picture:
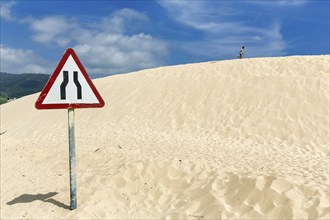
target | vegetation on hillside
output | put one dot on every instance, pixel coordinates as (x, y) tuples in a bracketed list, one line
[(3, 99), (18, 85)]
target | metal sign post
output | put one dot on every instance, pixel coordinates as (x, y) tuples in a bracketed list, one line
[(70, 87), (72, 158)]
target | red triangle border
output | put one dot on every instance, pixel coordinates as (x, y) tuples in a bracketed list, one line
[(39, 104)]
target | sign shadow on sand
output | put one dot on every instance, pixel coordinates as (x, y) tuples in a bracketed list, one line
[(27, 198)]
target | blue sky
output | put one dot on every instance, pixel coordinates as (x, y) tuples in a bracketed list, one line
[(112, 37)]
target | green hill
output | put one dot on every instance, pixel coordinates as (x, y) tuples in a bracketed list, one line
[(18, 85), (3, 99)]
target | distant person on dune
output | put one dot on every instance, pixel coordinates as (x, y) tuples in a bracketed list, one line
[(241, 52)]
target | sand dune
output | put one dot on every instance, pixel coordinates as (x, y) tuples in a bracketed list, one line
[(239, 139)]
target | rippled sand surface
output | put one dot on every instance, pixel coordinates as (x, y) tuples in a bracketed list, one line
[(237, 139)]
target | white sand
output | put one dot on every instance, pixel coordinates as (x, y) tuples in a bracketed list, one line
[(240, 139)]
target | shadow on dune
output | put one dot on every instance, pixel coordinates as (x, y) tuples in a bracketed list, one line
[(27, 198)]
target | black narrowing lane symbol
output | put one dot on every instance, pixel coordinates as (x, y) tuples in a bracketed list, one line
[(75, 79), (64, 84)]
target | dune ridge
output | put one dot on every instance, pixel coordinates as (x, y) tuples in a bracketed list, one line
[(239, 139)]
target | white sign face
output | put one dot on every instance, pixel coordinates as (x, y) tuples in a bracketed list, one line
[(70, 86)]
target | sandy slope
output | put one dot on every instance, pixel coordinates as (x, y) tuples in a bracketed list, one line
[(233, 139)]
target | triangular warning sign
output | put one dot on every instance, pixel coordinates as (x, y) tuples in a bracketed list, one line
[(69, 86)]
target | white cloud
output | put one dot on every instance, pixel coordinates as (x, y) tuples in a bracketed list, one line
[(104, 47), (114, 53), (224, 30), (21, 61), (5, 10), (123, 19), (52, 29), (280, 2)]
